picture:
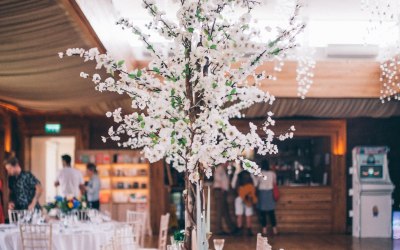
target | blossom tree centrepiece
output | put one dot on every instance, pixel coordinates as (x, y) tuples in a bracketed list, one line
[(183, 102)]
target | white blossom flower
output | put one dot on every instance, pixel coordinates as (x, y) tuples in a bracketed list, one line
[(184, 102)]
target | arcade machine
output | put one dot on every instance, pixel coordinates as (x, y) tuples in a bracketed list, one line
[(372, 193)]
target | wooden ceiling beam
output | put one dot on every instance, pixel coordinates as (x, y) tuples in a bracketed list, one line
[(74, 11)]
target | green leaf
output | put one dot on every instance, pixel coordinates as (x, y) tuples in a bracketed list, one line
[(182, 141), (172, 140), (172, 92), (173, 120), (173, 78), (157, 70), (190, 30), (229, 83), (233, 91), (132, 76), (139, 73), (276, 51), (214, 85), (149, 47), (120, 63), (153, 135), (247, 164), (142, 124), (173, 133), (140, 118), (214, 46), (173, 103)]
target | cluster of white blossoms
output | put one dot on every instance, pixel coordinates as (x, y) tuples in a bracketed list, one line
[(183, 104)]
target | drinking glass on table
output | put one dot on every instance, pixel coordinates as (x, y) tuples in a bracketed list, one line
[(219, 244)]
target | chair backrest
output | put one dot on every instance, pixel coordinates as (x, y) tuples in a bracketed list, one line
[(162, 239), (36, 237), (126, 236), (14, 215), (109, 245), (262, 243), (141, 218)]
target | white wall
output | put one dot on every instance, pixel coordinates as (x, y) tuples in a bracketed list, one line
[(46, 161)]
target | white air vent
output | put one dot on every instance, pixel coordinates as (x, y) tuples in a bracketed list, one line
[(351, 51)]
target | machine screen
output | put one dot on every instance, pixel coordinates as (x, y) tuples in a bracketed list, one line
[(371, 172)]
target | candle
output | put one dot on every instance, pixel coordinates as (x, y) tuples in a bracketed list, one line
[(208, 210)]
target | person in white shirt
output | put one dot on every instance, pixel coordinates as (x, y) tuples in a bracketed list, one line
[(69, 179), (221, 189)]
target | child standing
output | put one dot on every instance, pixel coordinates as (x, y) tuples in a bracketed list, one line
[(245, 200)]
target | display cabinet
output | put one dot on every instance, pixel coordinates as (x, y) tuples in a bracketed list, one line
[(125, 179)]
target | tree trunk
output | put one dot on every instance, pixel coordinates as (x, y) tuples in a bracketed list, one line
[(190, 223)]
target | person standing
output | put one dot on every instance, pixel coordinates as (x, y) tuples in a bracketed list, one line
[(266, 203), (93, 187), (25, 188), (2, 220), (245, 200), (221, 188), (69, 179)]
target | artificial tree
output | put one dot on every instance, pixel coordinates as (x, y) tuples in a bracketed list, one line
[(184, 100)]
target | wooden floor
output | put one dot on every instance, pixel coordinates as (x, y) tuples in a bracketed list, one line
[(308, 242)]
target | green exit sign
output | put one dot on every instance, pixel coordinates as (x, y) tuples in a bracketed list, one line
[(52, 128)]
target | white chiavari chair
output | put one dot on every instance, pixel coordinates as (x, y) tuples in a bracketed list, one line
[(162, 240), (141, 218), (262, 243), (36, 237), (108, 246), (163, 235), (126, 236), (14, 215)]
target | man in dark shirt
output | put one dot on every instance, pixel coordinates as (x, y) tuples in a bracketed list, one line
[(25, 189)]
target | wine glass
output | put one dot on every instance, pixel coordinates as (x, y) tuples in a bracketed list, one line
[(219, 244)]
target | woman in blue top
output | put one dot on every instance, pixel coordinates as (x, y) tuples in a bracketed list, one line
[(266, 203), (93, 187)]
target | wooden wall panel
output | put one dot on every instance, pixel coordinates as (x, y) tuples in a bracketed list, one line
[(333, 79), (305, 209)]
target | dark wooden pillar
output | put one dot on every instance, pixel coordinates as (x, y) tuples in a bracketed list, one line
[(339, 193), (158, 195)]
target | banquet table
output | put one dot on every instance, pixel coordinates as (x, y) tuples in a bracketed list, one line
[(73, 237)]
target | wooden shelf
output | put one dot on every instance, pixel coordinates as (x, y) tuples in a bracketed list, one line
[(130, 202), (129, 177), (112, 194), (130, 165), (139, 190)]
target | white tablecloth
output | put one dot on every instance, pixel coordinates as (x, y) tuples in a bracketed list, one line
[(74, 237)]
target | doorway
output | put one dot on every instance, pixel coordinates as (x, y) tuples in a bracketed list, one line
[(46, 161)]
